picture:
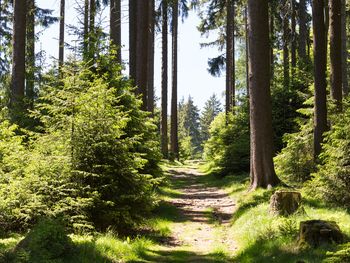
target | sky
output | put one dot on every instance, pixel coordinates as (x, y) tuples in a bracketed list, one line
[(193, 77)]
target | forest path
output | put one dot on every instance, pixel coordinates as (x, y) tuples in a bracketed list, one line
[(199, 228)]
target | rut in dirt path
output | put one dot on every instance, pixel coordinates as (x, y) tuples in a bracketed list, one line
[(206, 211)]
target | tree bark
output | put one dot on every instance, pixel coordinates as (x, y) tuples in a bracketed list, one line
[(262, 172), (142, 39), (132, 38), (246, 50), (86, 31), (30, 56), (18, 54), (150, 85), (115, 28), (174, 123), (272, 37), (293, 38), (164, 124), (320, 64), (61, 36), (303, 32), (336, 52), (344, 50), (229, 55), (286, 32), (92, 31)]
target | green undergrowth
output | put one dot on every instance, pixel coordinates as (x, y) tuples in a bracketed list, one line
[(262, 237)]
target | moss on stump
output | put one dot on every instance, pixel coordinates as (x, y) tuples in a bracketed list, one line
[(285, 202), (318, 232)]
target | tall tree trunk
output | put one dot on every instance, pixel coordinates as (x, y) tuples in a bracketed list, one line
[(320, 64), (30, 46), (150, 85), (336, 52), (262, 172), (174, 123), (229, 55), (18, 54), (303, 32), (326, 19), (92, 31), (132, 38), (142, 39), (285, 24), (86, 31), (272, 37), (115, 28), (61, 37), (344, 50), (293, 38), (247, 48), (164, 125)]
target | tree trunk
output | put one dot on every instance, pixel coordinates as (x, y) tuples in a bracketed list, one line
[(18, 54), (142, 39), (326, 19), (344, 50), (30, 46), (272, 37), (285, 22), (229, 55), (246, 50), (293, 38), (86, 31), (174, 124), (115, 28), (150, 85), (320, 64), (262, 171), (303, 33), (92, 31), (336, 52), (164, 125), (132, 38), (61, 37)]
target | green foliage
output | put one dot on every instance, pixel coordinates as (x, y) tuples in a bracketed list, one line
[(228, 145), (93, 160), (333, 176), (211, 109), (295, 162), (46, 242)]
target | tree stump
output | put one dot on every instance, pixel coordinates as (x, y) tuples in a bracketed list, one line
[(318, 232), (285, 202)]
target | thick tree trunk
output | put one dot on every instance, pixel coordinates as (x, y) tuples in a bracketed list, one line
[(320, 60), (303, 32), (86, 31), (272, 37), (229, 55), (30, 61), (286, 32), (92, 31), (164, 124), (293, 39), (336, 52), (344, 50), (61, 37), (246, 50), (18, 54), (142, 39), (132, 38), (115, 27), (174, 124), (262, 171), (150, 85)]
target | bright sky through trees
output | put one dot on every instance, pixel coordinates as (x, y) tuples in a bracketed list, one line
[(193, 77)]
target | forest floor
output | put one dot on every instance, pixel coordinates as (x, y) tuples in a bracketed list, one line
[(199, 228)]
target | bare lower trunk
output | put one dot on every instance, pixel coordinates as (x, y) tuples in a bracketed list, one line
[(30, 49), (150, 85), (164, 124), (61, 36), (344, 51), (86, 31), (303, 33), (174, 124), (293, 39), (285, 22), (18, 54), (262, 171), (336, 52), (229, 55), (132, 38), (115, 27), (320, 64)]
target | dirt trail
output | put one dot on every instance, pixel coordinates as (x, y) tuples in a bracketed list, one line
[(206, 212)]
